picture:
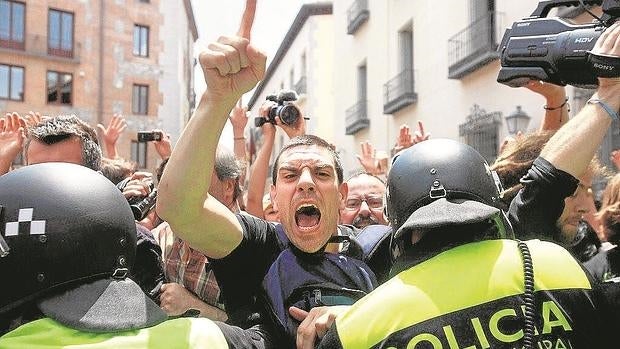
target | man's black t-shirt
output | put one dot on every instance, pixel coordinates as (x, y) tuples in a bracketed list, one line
[(240, 274)]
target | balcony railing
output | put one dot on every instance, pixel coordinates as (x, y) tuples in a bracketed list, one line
[(357, 117), (300, 86), (481, 131), (474, 46), (399, 92), (357, 14), (36, 46)]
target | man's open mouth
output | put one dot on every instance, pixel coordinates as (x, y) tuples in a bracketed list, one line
[(307, 216)]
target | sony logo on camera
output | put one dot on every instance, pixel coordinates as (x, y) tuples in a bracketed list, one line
[(603, 66)]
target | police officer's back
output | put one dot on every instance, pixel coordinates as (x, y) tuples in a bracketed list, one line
[(460, 280)]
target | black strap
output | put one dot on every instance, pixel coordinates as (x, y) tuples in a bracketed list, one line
[(605, 66)]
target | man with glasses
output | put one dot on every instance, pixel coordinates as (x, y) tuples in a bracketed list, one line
[(364, 203)]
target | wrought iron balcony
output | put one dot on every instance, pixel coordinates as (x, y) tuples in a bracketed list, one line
[(357, 118), (37, 46), (300, 86), (474, 46), (357, 14), (481, 131), (399, 92)]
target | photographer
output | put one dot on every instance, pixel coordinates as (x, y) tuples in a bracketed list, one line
[(260, 168)]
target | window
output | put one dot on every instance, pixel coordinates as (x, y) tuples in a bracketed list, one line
[(140, 101), (481, 131), (138, 153), (59, 88), (60, 33), (405, 46), (12, 24), (11, 82), (140, 41)]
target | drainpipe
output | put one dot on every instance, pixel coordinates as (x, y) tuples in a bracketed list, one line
[(101, 56)]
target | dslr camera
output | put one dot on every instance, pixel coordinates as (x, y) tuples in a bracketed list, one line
[(284, 109), (140, 206), (555, 50)]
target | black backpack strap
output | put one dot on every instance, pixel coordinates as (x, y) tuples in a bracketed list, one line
[(375, 242)]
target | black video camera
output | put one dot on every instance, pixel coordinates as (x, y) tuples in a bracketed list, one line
[(556, 51), (285, 109)]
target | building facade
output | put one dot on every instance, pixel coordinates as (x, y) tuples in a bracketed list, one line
[(399, 62), (96, 58), (304, 64)]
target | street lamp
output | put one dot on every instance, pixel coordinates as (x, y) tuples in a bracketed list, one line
[(517, 121)]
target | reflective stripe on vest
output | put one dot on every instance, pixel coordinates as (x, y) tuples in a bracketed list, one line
[(454, 280), (177, 333)]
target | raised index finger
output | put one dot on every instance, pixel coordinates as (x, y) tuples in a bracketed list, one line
[(245, 28)]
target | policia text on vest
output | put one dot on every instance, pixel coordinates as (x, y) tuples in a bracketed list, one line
[(471, 297)]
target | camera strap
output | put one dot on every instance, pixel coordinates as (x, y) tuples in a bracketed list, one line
[(604, 66)]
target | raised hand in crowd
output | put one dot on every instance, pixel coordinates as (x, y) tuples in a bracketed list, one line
[(231, 67), (260, 167), (374, 162), (556, 104), (12, 137), (405, 139), (33, 118), (176, 300), (111, 133), (239, 119), (163, 146)]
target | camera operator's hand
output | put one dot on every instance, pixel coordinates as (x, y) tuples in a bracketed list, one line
[(232, 66), (608, 44), (164, 146), (556, 103), (297, 129), (139, 185)]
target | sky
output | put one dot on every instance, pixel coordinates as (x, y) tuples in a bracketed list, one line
[(221, 17)]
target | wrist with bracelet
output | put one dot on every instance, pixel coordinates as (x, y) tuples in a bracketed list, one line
[(546, 107), (613, 114)]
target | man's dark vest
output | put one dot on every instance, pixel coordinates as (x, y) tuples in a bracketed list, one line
[(322, 279)]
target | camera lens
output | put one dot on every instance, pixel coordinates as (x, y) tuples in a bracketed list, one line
[(289, 114)]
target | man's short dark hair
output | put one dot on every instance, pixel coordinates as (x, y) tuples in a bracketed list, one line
[(57, 129), (308, 140)]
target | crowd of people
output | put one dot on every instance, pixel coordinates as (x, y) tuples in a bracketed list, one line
[(428, 247)]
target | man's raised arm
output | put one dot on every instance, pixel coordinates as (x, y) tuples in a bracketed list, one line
[(231, 66)]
